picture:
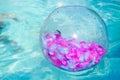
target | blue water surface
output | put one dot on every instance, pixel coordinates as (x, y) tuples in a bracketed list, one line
[(20, 54)]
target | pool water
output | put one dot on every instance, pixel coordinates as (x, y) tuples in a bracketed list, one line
[(20, 55)]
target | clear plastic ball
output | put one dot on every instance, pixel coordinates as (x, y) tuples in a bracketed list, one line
[(74, 38)]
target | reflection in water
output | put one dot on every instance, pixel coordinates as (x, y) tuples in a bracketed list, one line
[(20, 54), (14, 60), (7, 47)]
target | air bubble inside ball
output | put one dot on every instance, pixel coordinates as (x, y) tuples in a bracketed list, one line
[(74, 38)]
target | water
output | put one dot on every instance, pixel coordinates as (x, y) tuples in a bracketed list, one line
[(20, 54)]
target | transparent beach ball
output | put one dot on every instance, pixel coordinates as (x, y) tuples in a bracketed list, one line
[(74, 38)]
